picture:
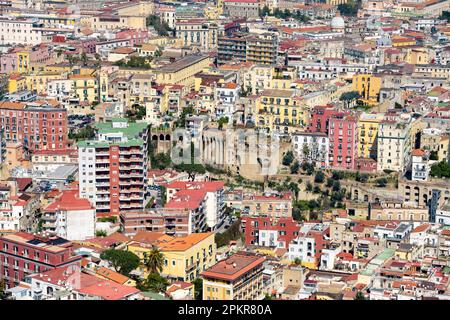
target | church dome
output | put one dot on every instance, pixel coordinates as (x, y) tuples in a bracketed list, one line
[(337, 23)]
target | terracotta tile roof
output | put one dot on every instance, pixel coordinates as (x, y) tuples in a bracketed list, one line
[(112, 275), (184, 243), (233, 267), (69, 200)]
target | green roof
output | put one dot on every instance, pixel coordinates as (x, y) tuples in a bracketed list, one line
[(377, 261), (153, 295), (131, 132)]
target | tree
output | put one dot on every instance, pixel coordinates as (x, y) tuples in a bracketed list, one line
[(381, 182), (360, 296), (440, 170), (294, 188), (161, 27), (135, 62), (319, 177), (198, 288), (297, 261), (265, 11), (2, 290), (85, 133), (288, 158), (308, 168), (445, 16), (350, 8), (348, 97), (362, 177), (160, 161), (156, 283), (309, 186), (154, 260), (100, 233), (221, 122), (84, 58), (122, 261), (336, 186), (295, 167), (434, 155)]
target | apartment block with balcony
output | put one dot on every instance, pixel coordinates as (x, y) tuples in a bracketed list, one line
[(280, 110), (239, 277), (36, 125), (22, 254), (113, 167), (248, 47), (343, 136), (394, 142), (420, 168), (214, 198)]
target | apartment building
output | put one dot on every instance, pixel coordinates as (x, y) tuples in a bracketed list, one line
[(239, 277), (403, 211), (69, 217), (343, 136), (20, 31), (311, 147), (280, 110), (197, 32), (183, 70), (184, 214), (368, 124), (37, 125), (22, 254), (420, 169), (272, 205), (394, 142), (266, 231), (214, 198), (368, 87), (186, 257), (226, 95), (113, 167), (248, 47), (241, 8)]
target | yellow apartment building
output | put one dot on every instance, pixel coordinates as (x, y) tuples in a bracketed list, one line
[(186, 257), (368, 132), (182, 71), (417, 56), (239, 277), (100, 22), (61, 68), (368, 86), (85, 87), (23, 59), (38, 81), (280, 110), (16, 83)]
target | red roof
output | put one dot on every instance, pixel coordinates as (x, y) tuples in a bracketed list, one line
[(69, 201)]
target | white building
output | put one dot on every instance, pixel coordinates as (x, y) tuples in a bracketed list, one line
[(443, 215), (394, 143), (226, 96), (328, 256), (420, 166), (70, 217), (302, 248), (15, 31), (311, 147)]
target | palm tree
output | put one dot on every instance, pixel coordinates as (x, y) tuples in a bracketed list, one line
[(154, 260)]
